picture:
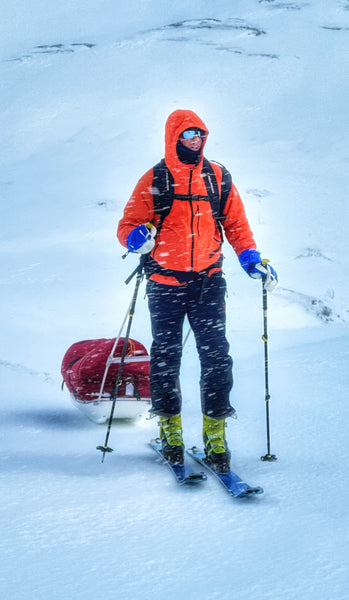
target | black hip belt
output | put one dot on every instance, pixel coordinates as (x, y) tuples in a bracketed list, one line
[(151, 267)]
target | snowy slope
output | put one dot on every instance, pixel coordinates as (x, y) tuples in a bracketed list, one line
[(85, 91)]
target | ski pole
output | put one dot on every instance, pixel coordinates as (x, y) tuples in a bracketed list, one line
[(139, 272), (268, 456)]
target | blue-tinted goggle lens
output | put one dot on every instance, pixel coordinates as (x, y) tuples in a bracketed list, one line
[(188, 134)]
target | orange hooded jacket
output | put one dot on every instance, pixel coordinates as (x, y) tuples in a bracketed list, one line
[(190, 239)]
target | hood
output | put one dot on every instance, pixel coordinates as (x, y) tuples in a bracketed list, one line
[(176, 123)]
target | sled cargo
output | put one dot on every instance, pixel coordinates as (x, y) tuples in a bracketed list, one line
[(83, 368)]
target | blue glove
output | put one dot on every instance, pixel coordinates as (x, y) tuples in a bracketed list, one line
[(141, 239), (252, 263), (249, 259)]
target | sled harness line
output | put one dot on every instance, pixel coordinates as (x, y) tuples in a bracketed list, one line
[(139, 272), (110, 358)]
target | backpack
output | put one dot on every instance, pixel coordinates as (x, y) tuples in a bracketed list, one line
[(163, 197), (163, 191)]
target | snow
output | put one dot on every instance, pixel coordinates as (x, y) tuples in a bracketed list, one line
[(85, 91)]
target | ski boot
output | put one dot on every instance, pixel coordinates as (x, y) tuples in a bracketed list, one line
[(216, 447), (171, 439)]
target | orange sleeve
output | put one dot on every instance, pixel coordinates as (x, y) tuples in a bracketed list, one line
[(139, 209), (236, 227)]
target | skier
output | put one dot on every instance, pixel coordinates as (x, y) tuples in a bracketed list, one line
[(175, 215)]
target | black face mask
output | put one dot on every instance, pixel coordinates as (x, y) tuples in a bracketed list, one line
[(187, 156)]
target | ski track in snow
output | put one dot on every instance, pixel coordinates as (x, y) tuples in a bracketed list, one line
[(23, 369)]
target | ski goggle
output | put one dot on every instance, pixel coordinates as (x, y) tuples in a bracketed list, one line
[(189, 134)]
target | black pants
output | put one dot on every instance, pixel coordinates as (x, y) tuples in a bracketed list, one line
[(203, 301)]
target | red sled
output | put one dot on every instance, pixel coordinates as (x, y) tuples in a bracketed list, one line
[(90, 369)]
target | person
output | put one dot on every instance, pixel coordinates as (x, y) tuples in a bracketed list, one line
[(176, 215)]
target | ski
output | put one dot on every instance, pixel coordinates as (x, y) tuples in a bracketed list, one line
[(182, 473), (232, 482)]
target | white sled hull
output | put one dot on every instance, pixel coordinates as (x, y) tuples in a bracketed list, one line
[(125, 408)]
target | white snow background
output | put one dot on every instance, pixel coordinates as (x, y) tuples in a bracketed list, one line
[(86, 88)]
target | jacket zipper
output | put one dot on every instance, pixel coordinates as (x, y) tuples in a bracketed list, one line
[(192, 220), (197, 214)]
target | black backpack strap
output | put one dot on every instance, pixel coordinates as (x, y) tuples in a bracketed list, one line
[(211, 187), (163, 191), (225, 188), (218, 204)]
